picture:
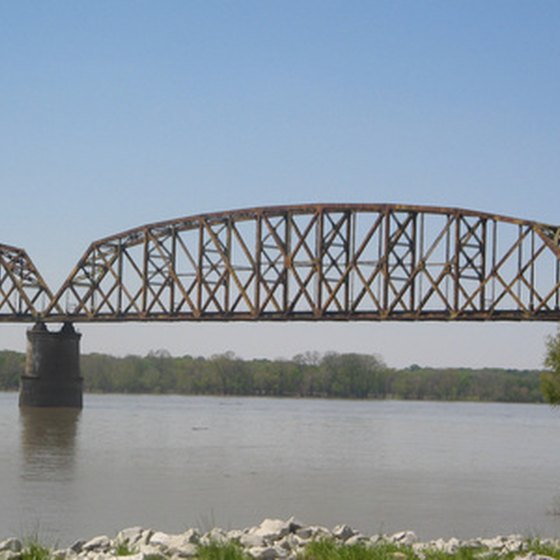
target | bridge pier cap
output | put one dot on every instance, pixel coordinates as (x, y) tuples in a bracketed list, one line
[(52, 368)]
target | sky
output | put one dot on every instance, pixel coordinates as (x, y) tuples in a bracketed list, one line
[(116, 114)]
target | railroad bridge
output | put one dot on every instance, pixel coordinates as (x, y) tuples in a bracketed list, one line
[(316, 262)]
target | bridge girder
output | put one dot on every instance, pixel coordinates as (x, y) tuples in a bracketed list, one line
[(334, 262), (23, 292)]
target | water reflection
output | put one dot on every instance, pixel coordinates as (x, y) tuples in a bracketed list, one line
[(48, 443)]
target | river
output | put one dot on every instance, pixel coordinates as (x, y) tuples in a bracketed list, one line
[(172, 462)]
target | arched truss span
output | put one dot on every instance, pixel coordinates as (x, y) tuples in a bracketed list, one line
[(23, 293), (320, 262)]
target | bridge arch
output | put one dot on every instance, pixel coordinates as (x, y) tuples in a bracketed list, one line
[(23, 292), (323, 262)]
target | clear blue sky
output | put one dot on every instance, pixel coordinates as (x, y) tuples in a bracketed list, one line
[(118, 113)]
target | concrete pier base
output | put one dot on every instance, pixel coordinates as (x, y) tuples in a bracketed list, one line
[(52, 370)]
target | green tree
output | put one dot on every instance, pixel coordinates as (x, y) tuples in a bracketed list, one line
[(550, 380)]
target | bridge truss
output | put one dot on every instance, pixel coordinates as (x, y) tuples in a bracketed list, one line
[(23, 292), (319, 262)]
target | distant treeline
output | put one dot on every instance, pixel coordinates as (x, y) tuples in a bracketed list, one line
[(307, 375)]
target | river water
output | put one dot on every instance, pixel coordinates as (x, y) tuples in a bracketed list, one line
[(170, 462)]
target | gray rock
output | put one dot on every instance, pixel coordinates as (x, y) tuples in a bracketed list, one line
[(358, 538), (313, 532), (130, 536), (77, 546), (216, 535), (267, 552), (496, 543), (151, 551), (291, 542), (251, 540), (235, 534), (62, 554), (11, 545), (534, 556), (160, 539), (343, 532), (295, 524), (272, 529), (452, 546), (97, 544), (191, 536), (10, 555), (180, 545), (514, 543), (188, 550), (404, 537)]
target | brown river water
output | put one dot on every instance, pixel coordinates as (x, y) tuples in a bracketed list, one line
[(170, 462)]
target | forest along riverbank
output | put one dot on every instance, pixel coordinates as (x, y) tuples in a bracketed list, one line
[(290, 539), (311, 374)]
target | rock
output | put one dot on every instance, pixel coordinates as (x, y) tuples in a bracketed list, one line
[(251, 540), (160, 539), (188, 550), (313, 532), (216, 535), (358, 538), (291, 542), (77, 546), (295, 524), (11, 545), (10, 555), (272, 529), (267, 552), (406, 538), (451, 546), (97, 544), (62, 554), (496, 543), (175, 545), (343, 532), (235, 534), (130, 536), (152, 551), (191, 536), (137, 556), (514, 543)]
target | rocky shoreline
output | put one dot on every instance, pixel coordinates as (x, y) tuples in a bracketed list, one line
[(274, 539)]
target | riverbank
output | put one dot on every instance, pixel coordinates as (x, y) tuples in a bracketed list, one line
[(286, 540)]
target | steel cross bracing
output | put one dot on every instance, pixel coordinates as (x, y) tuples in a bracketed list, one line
[(23, 293), (317, 262)]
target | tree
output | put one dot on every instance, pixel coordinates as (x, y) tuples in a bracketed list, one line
[(550, 380)]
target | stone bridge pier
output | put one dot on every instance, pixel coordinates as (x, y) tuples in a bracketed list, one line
[(52, 370)]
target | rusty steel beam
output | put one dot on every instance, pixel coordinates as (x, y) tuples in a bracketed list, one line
[(24, 295), (328, 262)]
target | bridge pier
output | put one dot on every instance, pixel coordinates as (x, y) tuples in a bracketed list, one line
[(52, 369)]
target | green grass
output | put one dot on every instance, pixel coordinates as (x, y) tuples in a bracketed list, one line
[(466, 553), (331, 550), (32, 550), (123, 549), (218, 551), (327, 549), (543, 549)]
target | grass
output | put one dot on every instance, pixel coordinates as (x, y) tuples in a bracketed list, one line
[(329, 549), (218, 551), (32, 550), (544, 549), (123, 549)]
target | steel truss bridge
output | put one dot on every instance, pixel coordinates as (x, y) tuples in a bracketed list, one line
[(316, 262)]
